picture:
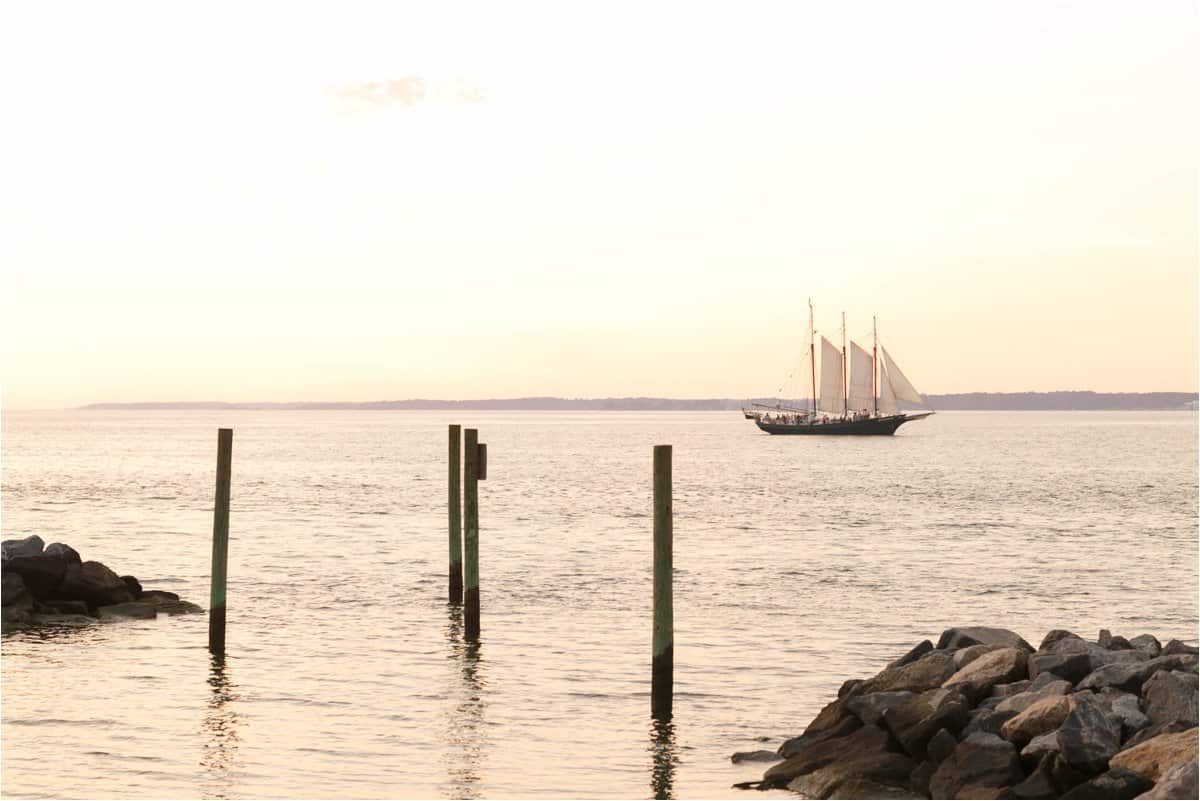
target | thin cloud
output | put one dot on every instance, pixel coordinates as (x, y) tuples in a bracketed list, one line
[(368, 95), (407, 91)]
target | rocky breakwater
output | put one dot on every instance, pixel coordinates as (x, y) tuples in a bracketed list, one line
[(984, 715), (52, 585)]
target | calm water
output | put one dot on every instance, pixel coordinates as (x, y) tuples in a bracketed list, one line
[(800, 562)]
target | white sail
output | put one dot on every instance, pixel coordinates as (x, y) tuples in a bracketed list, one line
[(901, 386), (887, 398), (861, 389), (831, 398)]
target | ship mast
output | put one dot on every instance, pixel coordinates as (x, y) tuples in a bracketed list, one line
[(812, 355), (874, 367), (845, 390)]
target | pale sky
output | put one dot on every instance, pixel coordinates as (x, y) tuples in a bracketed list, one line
[(362, 201)]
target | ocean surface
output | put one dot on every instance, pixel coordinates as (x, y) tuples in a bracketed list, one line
[(800, 562)]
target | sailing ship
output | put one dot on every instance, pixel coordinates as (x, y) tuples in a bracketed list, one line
[(864, 399)]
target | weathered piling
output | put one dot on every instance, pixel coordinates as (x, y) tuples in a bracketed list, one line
[(455, 512), (662, 668), (220, 543), (471, 536)]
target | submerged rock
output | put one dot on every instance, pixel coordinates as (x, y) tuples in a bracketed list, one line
[(754, 756), (134, 609)]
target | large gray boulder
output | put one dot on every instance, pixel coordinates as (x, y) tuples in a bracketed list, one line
[(976, 680), (914, 721), (64, 552), (981, 760), (1170, 696), (1130, 676), (1054, 635), (1071, 666), (1088, 737), (869, 708), (1126, 708), (41, 573), (964, 636), (913, 654), (925, 673), (1147, 644), (1176, 647), (94, 584), (29, 546), (1040, 688)]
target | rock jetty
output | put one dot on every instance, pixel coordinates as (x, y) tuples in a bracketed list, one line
[(52, 585), (982, 714)]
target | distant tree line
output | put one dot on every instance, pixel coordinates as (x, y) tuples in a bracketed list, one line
[(1012, 401)]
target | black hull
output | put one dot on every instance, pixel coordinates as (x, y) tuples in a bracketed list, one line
[(873, 426)]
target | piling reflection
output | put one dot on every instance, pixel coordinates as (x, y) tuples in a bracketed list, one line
[(220, 731), (662, 749), (466, 737)]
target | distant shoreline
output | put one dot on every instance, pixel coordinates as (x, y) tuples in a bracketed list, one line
[(972, 401)]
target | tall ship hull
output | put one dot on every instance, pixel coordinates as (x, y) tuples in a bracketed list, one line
[(871, 426), (859, 393)]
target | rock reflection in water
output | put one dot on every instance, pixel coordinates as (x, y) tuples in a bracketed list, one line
[(221, 734), (662, 748), (466, 738)]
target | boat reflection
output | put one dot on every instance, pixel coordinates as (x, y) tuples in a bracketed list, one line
[(662, 749), (220, 731), (466, 737)]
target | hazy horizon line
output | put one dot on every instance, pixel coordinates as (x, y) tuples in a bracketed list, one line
[(1162, 399)]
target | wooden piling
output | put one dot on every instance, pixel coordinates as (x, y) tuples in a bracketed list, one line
[(455, 510), (220, 543), (662, 669), (471, 536)]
